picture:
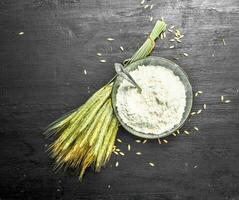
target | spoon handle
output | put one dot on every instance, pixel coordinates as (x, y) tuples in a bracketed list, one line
[(123, 73)]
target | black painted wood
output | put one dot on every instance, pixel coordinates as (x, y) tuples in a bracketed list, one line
[(41, 77)]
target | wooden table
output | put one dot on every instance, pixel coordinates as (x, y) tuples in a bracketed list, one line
[(45, 47)]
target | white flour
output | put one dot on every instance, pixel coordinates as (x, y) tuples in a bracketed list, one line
[(159, 107)]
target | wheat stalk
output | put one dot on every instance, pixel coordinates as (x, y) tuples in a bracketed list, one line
[(86, 135)]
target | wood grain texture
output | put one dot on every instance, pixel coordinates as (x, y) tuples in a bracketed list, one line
[(41, 77)]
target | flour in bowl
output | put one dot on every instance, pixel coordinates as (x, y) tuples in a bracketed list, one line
[(160, 105)]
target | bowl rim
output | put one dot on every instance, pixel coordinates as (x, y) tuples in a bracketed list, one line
[(148, 135)]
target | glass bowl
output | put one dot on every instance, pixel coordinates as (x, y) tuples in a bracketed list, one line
[(153, 60)]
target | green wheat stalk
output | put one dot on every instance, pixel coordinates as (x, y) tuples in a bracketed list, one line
[(86, 135)]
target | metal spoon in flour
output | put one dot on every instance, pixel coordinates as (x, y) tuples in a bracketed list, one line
[(124, 74)]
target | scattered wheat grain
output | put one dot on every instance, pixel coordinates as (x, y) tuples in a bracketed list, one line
[(199, 111), (110, 39), (119, 140), (165, 141), (224, 42), (222, 98), (196, 128), (193, 113), (144, 141), (159, 141), (181, 36), (151, 164), (186, 132), (129, 147), (164, 34), (121, 153), (185, 54), (99, 54)]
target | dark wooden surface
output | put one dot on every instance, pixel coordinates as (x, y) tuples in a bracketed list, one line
[(41, 77)]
